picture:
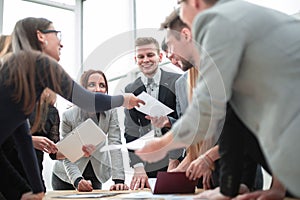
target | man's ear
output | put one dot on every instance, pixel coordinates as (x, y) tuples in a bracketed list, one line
[(187, 34), (160, 56), (135, 59), (199, 4)]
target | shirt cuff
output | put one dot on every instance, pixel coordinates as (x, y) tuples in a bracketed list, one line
[(76, 182), (138, 165), (118, 181)]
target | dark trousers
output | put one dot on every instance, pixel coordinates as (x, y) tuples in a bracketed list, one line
[(240, 153)]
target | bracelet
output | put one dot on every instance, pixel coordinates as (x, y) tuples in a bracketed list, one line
[(208, 162)]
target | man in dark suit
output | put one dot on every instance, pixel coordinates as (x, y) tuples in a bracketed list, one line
[(161, 85)]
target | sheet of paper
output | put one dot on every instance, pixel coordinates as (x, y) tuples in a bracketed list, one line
[(153, 107), (92, 195), (144, 195), (86, 133), (134, 145)]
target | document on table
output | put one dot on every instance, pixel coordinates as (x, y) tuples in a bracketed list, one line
[(86, 133), (134, 145), (91, 195), (152, 106)]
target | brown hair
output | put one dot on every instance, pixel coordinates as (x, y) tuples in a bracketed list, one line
[(86, 75), (147, 40), (21, 67), (174, 23)]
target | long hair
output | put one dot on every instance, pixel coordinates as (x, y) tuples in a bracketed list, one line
[(5, 45), (28, 63)]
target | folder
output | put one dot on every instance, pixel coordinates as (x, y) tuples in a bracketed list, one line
[(86, 133), (174, 183)]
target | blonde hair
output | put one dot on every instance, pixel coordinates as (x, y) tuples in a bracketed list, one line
[(193, 151), (5, 45)]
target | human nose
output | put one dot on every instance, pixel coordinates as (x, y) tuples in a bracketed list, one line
[(145, 59), (97, 88), (172, 59)]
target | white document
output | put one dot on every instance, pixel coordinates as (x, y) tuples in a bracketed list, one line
[(134, 145), (91, 195), (86, 133), (152, 106)]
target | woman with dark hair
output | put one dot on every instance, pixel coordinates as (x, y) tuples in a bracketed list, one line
[(89, 173), (24, 74)]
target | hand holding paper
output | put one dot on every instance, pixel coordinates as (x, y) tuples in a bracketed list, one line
[(134, 145), (153, 107)]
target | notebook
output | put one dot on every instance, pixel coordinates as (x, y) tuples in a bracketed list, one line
[(86, 133), (173, 183)]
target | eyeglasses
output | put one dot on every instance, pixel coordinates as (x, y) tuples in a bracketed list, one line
[(58, 33)]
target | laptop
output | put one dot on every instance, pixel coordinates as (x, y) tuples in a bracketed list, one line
[(174, 183)]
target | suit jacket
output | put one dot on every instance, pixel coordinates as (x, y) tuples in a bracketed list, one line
[(256, 68), (181, 91), (103, 167), (135, 123)]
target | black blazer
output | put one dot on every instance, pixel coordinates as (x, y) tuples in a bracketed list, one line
[(135, 123)]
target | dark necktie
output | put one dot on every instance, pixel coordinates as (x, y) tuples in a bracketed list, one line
[(149, 87)]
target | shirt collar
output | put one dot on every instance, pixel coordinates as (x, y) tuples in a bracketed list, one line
[(156, 77)]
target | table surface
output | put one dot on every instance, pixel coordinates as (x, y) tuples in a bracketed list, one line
[(54, 195)]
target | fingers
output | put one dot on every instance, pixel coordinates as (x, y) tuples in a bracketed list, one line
[(130, 101), (206, 182), (136, 183), (139, 182), (85, 186), (119, 187), (88, 149), (49, 147)]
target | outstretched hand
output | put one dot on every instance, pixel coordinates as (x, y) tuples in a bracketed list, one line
[(153, 151), (44, 144), (130, 101), (158, 148)]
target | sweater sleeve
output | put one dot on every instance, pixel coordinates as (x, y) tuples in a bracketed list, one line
[(50, 74)]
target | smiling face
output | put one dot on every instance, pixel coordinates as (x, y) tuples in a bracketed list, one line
[(51, 44), (148, 58), (179, 48)]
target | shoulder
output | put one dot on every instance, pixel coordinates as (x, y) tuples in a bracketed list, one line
[(170, 74), (134, 85), (183, 78), (71, 112)]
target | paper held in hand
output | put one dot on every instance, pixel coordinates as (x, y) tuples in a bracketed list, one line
[(153, 107), (86, 133), (134, 145)]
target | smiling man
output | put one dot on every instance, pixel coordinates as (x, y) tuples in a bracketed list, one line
[(161, 85), (251, 62)]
